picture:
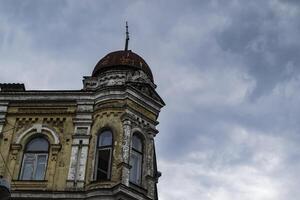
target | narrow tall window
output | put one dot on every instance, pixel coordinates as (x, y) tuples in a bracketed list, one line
[(35, 159), (136, 159), (104, 153)]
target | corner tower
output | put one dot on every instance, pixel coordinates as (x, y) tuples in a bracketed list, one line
[(93, 143), (124, 118)]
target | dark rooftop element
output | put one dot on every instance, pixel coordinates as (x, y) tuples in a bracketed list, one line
[(12, 87), (127, 37), (122, 60), (4, 189)]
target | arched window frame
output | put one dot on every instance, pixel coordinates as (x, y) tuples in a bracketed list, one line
[(103, 148), (36, 160), (136, 160)]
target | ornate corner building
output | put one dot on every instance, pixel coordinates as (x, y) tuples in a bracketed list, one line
[(93, 143)]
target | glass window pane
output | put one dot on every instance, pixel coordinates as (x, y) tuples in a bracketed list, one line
[(103, 164), (105, 139), (28, 166), (137, 143), (40, 167), (136, 167), (37, 144)]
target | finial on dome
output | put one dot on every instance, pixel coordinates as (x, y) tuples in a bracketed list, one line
[(127, 37)]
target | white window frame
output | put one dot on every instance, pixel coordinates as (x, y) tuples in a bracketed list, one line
[(36, 155)]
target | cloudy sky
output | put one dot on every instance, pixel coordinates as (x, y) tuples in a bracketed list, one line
[(228, 70)]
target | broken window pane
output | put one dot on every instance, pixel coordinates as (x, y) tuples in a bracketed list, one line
[(103, 164)]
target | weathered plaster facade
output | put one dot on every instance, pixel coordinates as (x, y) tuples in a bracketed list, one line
[(119, 96)]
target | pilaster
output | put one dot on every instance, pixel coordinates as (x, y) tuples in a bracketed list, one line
[(52, 161), (80, 145), (14, 155), (3, 111), (150, 179), (126, 146)]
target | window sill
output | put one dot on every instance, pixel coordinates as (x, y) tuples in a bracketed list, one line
[(29, 184)]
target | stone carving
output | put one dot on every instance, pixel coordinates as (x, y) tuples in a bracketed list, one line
[(84, 108), (82, 130), (15, 148), (116, 78), (13, 157), (107, 79), (25, 123), (138, 76), (61, 163), (57, 123), (53, 158)]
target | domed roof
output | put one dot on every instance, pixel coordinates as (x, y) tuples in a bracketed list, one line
[(122, 60)]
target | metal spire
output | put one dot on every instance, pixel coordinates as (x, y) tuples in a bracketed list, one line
[(127, 37)]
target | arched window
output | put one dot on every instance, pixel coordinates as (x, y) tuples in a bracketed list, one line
[(35, 159), (104, 154), (136, 159)]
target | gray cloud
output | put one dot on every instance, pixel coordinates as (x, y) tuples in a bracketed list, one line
[(228, 71), (265, 35)]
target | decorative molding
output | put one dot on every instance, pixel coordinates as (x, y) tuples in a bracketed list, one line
[(38, 129), (127, 117), (55, 148), (15, 149), (43, 110), (29, 185), (105, 79)]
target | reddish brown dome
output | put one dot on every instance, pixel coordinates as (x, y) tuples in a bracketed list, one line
[(122, 60)]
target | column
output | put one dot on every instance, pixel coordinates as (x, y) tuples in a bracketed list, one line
[(126, 143), (151, 180)]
